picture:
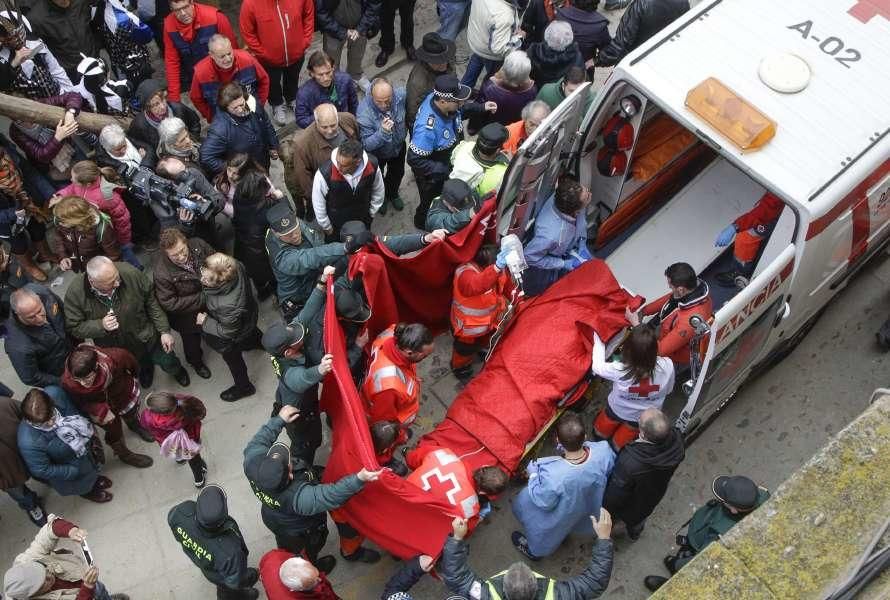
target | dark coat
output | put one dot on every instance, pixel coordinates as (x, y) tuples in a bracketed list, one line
[(81, 246), (590, 28), (641, 20), (536, 18), (178, 290), (229, 135), (43, 154), (548, 65), (420, 84), (250, 225), (325, 22), (310, 95), (510, 102), (13, 471), (50, 459), (67, 32), (640, 477), (38, 353), (232, 312), (144, 134)]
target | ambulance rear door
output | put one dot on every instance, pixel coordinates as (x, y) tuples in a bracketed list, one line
[(532, 174), (743, 331)]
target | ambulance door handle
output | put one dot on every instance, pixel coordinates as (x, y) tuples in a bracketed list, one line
[(783, 314)]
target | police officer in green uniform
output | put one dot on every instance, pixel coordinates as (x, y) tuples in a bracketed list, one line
[(297, 380), (294, 502), (454, 208), (213, 541), (734, 498)]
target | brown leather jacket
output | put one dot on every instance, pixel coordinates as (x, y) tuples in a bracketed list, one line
[(178, 290), (309, 150)]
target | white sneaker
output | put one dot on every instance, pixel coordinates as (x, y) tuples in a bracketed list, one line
[(279, 114), (364, 84)]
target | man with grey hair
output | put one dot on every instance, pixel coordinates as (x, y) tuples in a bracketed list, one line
[(174, 139), (533, 114), (519, 582), (115, 305), (115, 148), (553, 57), (222, 65), (643, 470), (311, 148), (286, 577), (36, 341)]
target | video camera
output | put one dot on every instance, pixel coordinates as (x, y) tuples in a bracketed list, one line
[(153, 190)]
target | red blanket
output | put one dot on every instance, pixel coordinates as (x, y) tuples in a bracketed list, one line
[(539, 360)]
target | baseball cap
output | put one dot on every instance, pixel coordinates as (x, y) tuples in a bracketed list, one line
[(279, 336)]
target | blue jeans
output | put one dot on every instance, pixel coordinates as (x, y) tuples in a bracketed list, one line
[(25, 497), (475, 66), (100, 592), (453, 17), (128, 255)]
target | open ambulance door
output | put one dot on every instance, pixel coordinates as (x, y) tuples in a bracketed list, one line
[(743, 331), (542, 158)]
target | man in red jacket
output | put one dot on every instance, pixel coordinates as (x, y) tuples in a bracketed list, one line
[(289, 577), (747, 234), (187, 30), (103, 385), (279, 44), (689, 296), (224, 64)]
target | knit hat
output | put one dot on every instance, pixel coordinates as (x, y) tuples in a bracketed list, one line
[(147, 89), (23, 580)]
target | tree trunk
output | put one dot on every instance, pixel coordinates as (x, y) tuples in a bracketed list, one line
[(22, 109)]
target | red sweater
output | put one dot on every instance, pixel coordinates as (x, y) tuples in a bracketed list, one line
[(207, 73), (277, 32), (204, 16), (102, 396), (269, 565)]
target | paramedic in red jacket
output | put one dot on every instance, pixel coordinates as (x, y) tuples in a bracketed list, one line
[(748, 233), (478, 303), (689, 296), (277, 33), (187, 30), (223, 64)]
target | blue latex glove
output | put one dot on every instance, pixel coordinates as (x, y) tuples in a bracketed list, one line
[(572, 263), (501, 261), (485, 511), (583, 252), (726, 236)]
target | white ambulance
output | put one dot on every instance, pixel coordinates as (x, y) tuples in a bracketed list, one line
[(737, 98)]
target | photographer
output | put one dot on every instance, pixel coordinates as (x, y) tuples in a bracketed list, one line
[(202, 203)]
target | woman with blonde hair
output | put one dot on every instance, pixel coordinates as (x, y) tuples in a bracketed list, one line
[(82, 232), (229, 324), (98, 186)]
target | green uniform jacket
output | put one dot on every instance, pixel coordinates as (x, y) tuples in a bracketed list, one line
[(297, 267), (712, 520), (139, 315), (552, 94), (221, 554), (305, 499), (294, 377), (440, 217)]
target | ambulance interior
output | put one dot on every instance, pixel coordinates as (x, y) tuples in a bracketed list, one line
[(668, 203)]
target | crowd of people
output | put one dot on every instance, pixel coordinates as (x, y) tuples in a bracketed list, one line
[(174, 225)]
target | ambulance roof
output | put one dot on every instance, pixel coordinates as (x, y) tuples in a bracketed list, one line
[(833, 122)]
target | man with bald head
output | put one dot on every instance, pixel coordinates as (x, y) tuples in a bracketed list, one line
[(642, 471), (222, 65), (289, 577), (114, 304), (311, 148), (36, 341), (382, 121)]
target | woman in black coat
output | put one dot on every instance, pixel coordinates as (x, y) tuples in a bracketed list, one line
[(553, 57), (235, 129), (152, 95), (254, 194), (229, 324)]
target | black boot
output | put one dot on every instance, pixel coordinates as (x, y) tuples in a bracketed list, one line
[(199, 470), (136, 427)]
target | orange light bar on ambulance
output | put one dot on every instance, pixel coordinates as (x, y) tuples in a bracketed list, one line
[(731, 115)]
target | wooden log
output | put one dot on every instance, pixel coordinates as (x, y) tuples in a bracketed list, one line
[(22, 109)]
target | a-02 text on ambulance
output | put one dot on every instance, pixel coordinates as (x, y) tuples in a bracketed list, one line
[(736, 98)]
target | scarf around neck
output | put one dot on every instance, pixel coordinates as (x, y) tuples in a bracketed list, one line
[(74, 430)]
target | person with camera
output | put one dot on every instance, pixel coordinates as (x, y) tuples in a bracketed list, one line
[(114, 304), (55, 566), (181, 196), (177, 277), (237, 128), (229, 321)]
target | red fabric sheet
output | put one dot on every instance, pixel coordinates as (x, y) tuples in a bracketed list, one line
[(542, 356)]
